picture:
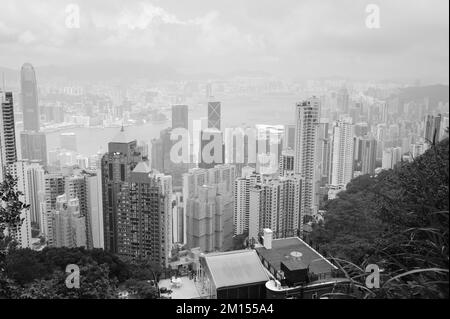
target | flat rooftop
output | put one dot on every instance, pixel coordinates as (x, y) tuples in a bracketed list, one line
[(187, 290), (282, 249), (236, 268)]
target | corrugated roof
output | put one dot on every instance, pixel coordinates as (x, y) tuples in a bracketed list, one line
[(236, 268)]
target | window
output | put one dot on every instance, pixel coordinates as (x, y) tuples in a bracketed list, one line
[(122, 172), (110, 173)]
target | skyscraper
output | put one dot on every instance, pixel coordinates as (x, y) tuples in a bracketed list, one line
[(241, 214), (34, 146), (209, 218), (342, 152), (18, 170), (7, 131), (95, 208), (178, 222), (391, 156), (116, 166), (84, 186), (162, 161), (195, 178), (68, 226), (144, 213), (221, 178), (214, 115), (307, 119), (275, 204), (365, 154), (323, 151), (180, 116), (29, 98), (54, 187), (36, 193), (432, 128)]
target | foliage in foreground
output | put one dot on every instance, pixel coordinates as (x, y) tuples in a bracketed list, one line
[(398, 220), (41, 275)]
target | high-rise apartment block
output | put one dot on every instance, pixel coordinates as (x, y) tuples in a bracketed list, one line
[(276, 204), (7, 132), (144, 216), (365, 150), (68, 226), (208, 202), (391, 156), (307, 120), (209, 218), (116, 167), (242, 188), (342, 152)]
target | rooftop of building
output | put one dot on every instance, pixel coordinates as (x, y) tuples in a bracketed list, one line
[(187, 288), (122, 137), (235, 268), (282, 250), (142, 167)]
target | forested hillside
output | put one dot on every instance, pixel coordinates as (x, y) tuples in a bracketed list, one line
[(397, 220)]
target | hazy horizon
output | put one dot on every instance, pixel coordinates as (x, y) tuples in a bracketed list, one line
[(287, 38)]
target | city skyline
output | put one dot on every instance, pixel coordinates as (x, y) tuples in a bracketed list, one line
[(164, 150)]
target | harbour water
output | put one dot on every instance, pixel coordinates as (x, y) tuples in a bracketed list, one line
[(236, 111)]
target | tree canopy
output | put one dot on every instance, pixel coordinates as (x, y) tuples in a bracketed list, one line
[(398, 220)]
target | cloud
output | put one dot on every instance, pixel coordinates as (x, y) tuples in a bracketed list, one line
[(285, 37)]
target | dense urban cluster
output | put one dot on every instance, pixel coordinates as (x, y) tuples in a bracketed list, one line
[(283, 207)]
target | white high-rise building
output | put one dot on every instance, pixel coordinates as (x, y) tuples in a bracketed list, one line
[(210, 218), (242, 188), (86, 187), (276, 204), (18, 171), (342, 152), (95, 208), (36, 192), (197, 177), (177, 217), (307, 120), (69, 227), (391, 156), (192, 180), (54, 187)]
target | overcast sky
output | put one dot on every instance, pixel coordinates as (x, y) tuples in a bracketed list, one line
[(310, 38)]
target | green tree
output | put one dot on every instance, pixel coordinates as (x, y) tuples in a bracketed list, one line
[(11, 208), (398, 220)]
